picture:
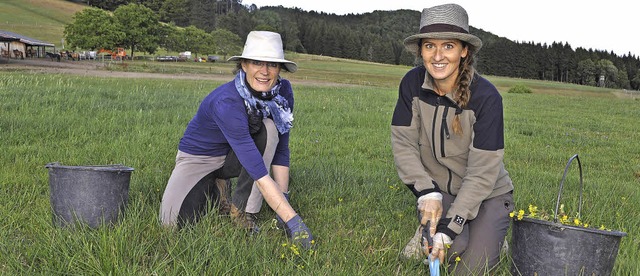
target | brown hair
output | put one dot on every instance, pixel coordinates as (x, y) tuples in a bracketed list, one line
[(238, 67)]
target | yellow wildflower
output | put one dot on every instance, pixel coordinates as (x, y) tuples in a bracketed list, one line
[(560, 217), (533, 210), (294, 249), (458, 259)]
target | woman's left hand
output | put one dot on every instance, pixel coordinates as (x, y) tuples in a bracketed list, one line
[(441, 242), (299, 233)]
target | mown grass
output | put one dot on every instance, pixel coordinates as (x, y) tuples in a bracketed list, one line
[(310, 68), (343, 179)]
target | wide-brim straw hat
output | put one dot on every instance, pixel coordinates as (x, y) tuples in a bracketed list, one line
[(265, 46), (448, 21)]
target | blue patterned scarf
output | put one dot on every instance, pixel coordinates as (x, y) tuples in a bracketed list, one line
[(266, 104)]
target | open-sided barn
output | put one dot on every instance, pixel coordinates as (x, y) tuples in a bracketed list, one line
[(13, 45)]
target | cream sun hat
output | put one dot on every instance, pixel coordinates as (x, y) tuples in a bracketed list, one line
[(265, 46), (443, 22)]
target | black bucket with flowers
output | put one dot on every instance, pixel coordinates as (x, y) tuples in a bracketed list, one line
[(561, 247)]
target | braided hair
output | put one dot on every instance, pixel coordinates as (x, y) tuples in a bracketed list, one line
[(463, 92)]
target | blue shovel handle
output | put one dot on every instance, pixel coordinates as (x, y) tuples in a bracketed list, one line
[(434, 266)]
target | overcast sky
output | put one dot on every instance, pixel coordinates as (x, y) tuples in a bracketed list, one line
[(611, 25)]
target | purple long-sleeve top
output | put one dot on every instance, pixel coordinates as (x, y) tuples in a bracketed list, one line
[(221, 123)]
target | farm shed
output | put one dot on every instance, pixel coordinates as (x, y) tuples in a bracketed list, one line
[(14, 45)]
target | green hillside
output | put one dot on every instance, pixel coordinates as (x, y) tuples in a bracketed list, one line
[(39, 19)]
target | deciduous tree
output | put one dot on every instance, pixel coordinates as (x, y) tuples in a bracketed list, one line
[(227, 43), (587, 72), (93, 29), (140, 25), (198, 41)]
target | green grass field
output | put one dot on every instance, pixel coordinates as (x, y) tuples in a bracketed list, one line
[(343, 179)]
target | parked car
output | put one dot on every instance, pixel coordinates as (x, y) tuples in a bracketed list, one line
[(166, 58), (212, 58), (185, 55), (88, 55)]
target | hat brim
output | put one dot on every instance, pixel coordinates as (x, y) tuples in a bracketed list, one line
[(411, 42), (289, 65)]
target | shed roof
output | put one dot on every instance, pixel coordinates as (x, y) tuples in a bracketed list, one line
[(6, 36)]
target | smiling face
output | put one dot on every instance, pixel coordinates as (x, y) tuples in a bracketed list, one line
[(261, 76), (442, 59)]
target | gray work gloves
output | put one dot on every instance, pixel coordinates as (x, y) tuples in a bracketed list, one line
[(430, 210), (441, 242), (299, 232)]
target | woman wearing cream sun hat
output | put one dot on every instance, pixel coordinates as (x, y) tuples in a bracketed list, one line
[(241, 129), (448, 146), (265, 46)]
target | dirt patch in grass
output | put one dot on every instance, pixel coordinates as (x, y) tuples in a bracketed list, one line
[(98, 69)]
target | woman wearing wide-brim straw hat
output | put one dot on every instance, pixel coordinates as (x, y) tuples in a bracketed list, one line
[(448, 145), (241, 129)]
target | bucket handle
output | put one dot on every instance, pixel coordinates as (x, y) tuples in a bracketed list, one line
[(566, 169)]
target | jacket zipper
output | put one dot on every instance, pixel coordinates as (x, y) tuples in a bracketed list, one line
[(449, 182), (444, 133), (433, 127)]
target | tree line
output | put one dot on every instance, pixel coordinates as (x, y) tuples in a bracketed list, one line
[(220, 26)]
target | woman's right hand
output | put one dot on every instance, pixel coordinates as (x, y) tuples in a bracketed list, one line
[(430, 210)]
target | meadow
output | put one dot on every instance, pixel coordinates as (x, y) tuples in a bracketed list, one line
[(344, 181), (40, 19)]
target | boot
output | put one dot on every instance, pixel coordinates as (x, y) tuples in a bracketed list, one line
[(244, 220), (224, 200), (413, 249)]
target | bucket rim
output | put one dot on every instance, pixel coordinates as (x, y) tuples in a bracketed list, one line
[(577, 228), (107, 168)]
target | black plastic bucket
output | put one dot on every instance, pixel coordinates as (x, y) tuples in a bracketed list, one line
[(541, 247), (548, 248), (94, 195)]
